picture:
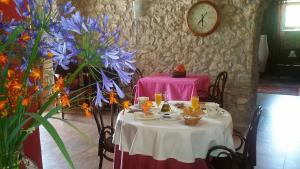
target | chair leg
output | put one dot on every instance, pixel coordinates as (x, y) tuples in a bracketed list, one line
[(62, 114), (101, 161), (100, 152)]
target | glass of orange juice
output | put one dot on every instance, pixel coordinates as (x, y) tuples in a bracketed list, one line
[(158, 98), (195, 102)]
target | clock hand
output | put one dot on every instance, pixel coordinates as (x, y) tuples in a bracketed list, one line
[(202, 17), (201, 20)]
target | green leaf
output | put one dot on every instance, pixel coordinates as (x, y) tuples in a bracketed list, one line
[(48, 103), (51, 130), (53, 111), (33, 55), (12, 37), (3, 78), (48, 115), (16, 130)]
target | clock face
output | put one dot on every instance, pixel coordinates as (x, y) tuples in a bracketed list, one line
[(203, 18)]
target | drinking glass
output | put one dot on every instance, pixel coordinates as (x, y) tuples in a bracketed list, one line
[(195, 102), (158, 98), (165, 96)]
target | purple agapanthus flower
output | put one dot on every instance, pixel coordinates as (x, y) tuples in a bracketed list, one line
[(92, 24), (68, 8), (107, 83), (121, 61), (119, 91), (21, 8), (75, 23), (73, 36), (62, 57), (99, 96), (24, 65)]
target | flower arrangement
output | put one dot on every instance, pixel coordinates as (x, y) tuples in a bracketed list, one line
[(61, 35)]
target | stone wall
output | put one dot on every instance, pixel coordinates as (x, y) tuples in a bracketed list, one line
[(162, 40)]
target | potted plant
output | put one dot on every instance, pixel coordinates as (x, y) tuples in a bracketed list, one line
[(62, 36)]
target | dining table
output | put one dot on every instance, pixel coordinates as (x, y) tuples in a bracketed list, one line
[(168, 143), (176, 88)]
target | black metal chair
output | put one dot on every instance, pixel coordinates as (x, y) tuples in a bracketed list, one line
[(138, 74), (131, 87), (106, 131), (228, 159), (216, 90)]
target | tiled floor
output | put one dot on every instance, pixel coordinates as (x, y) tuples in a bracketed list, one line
[(278, 137), (278, 141)]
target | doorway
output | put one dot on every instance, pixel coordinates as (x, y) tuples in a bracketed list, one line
[(281, 25)]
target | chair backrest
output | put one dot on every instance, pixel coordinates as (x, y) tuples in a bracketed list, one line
[(249, 153), (110, 112), (136, 76), (216, 91)]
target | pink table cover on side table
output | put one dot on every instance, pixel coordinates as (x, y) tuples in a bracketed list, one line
[(176, 88)]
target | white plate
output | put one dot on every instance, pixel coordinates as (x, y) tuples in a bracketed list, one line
[(141, 116), (136, 106), (211, 104), (170, 117)]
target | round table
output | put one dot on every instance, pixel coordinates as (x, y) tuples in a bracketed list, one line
[(159, 141)]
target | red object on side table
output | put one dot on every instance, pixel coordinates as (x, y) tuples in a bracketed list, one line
[(32, 146)]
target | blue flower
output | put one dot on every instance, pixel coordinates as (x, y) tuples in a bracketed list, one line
[(67, 90), (92, 24), (10, 26), (105, 21), (119, 60), (99, 96), (24, 65), (68, 8), (107, 84), (75, 23), (21, 8), (63, 57), (119, 91)]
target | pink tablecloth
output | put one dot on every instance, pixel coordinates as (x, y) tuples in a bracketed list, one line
[(123, 160), (176, 88)]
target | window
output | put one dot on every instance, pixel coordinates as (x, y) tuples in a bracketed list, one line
[(291, 16)]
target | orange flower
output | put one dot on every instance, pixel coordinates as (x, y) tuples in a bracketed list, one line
[(50, 55), (14, 85), (44, 84), (86, 109), (65, 101), (4, 113), (146, 106), (10, 73), (126, 104), (36, 87), (112, 97), (25, 101), (3, 59), (59, 84), (5, 2), (2, 104), (25, 37), (36, 74)]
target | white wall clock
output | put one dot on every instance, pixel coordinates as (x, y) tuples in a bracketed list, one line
[(203, 18)]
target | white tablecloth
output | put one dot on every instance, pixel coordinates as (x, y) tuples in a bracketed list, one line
[(173, 139)]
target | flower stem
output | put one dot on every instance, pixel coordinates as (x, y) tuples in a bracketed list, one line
[(73, 75), (33, 54)]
